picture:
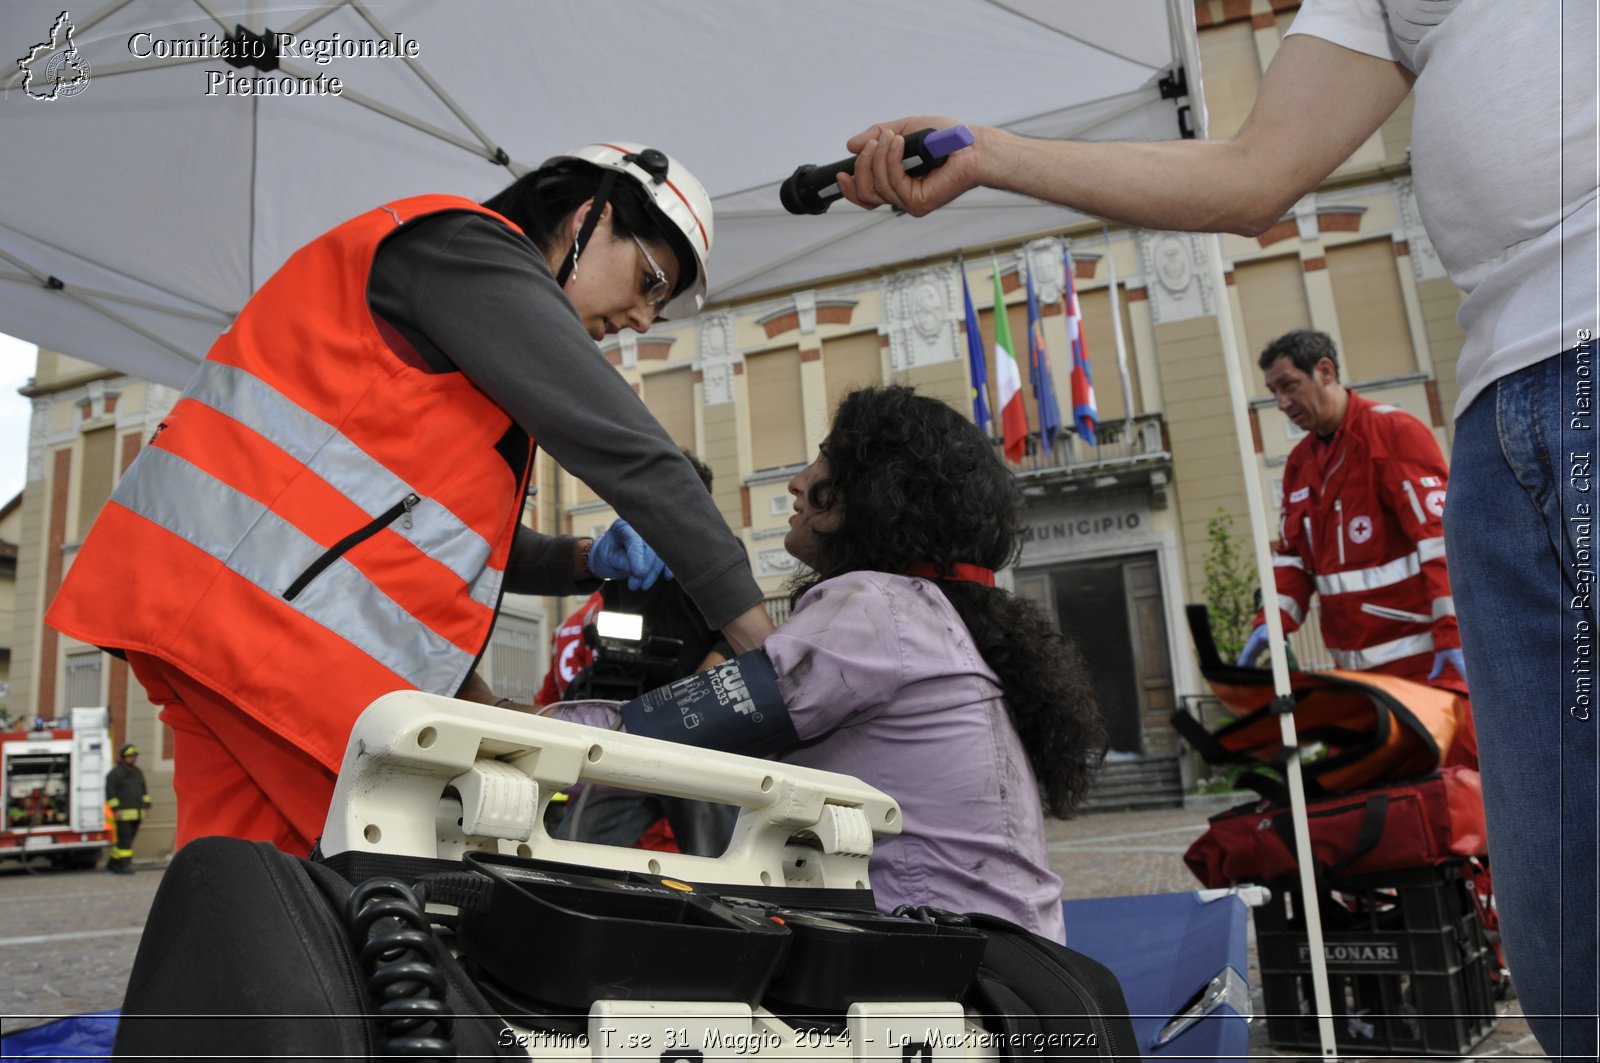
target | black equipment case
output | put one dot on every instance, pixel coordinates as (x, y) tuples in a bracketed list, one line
[(475, 935)]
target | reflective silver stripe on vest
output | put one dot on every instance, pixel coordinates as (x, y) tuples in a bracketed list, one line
[(1292, 608), (1389, 613), (1383, 653), (1416, 506), (1430, 549), (1287, 561), (267, 550), (347, 468), (1445, 606), (1369, 579)]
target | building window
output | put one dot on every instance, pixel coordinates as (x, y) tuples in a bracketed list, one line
[(1272, 299), (848, 363), (670, 398), (517, 658), (98, 476), (777, 414), (83, 680), (1375, 337)]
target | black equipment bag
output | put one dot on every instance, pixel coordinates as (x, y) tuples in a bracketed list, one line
[(251, 953), (1046, 1001), (248, 953)]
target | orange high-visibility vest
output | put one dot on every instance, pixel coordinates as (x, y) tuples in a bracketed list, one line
[(317, 522)]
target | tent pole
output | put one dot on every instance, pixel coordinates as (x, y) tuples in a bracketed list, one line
[(94, 304), (1116, 330), (418, 69), (1190, 53)]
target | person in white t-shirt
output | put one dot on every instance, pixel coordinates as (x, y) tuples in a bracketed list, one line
[(1503, 155)]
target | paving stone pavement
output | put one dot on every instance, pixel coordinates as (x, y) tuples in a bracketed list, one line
[(68, 938)]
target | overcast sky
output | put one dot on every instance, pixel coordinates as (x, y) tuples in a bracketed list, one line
[(16, 366)]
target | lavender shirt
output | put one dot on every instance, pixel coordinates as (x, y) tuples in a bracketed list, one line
[(883, 682), (881, 671)]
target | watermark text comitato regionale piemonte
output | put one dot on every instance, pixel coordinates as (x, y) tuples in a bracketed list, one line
[(264, 52)]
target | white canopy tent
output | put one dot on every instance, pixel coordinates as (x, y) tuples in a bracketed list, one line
[(138, 212), (159, 208)]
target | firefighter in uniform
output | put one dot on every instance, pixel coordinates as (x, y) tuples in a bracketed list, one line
[(1363, 495), (129, 799)]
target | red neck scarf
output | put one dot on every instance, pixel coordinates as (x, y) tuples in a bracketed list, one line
[(959, 571)]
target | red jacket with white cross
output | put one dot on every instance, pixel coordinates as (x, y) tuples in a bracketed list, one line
[(1362, 526)]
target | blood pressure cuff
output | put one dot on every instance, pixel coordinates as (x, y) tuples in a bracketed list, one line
[(734, 707)]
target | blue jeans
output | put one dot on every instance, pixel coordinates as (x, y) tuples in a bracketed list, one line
[(1519, 531)]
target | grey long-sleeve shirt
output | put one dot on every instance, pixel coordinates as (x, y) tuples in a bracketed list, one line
[(472, 295)]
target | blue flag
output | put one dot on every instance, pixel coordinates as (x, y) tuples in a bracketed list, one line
[(1044, 385), (976, 365)]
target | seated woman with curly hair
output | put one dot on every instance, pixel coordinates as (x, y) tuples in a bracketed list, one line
[(903, 665)]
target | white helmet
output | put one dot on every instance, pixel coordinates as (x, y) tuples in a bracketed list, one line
[(674, 192)]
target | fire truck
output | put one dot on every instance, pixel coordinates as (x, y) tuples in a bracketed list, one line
[(55, 790)]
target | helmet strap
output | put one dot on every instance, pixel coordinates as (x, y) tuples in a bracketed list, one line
[(602, 195)]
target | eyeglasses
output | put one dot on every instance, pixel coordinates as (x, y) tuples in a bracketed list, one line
[(659, 288)]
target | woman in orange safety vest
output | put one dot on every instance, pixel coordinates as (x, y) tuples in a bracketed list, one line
[(332, 510)]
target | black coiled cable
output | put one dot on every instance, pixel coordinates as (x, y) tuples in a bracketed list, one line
[(390, 928)]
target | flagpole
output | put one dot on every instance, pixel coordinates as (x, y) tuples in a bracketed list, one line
[(1182, 12), (1008, 379), (977, 372), (1122, 350), (1042, 375), (994, 317), (1033, 364)]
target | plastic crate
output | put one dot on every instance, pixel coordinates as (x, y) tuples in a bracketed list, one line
[(1408, 965)]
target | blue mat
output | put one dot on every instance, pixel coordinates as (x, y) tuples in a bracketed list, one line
[(1166, 948), (78, 1037)]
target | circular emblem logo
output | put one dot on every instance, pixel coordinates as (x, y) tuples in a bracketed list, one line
[(1435, 503), (67, 73), (1360, 529), (1173, 265), (927, 309)]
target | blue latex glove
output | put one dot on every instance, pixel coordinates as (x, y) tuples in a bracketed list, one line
[(1452, 658), (1253, 647), (621, 554)]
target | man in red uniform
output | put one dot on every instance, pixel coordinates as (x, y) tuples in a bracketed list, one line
[(1363, 494), (569, 653)]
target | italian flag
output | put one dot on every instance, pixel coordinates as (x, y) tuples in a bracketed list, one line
[(1013, 419)]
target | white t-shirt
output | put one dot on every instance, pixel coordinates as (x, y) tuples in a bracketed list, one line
[(1503, 153)]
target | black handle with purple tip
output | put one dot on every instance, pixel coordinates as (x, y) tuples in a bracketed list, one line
[(813, 189)]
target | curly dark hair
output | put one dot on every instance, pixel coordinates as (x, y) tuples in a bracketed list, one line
[(917, 483)]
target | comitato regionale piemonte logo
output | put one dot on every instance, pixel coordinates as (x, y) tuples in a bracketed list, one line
[(55, 68)]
